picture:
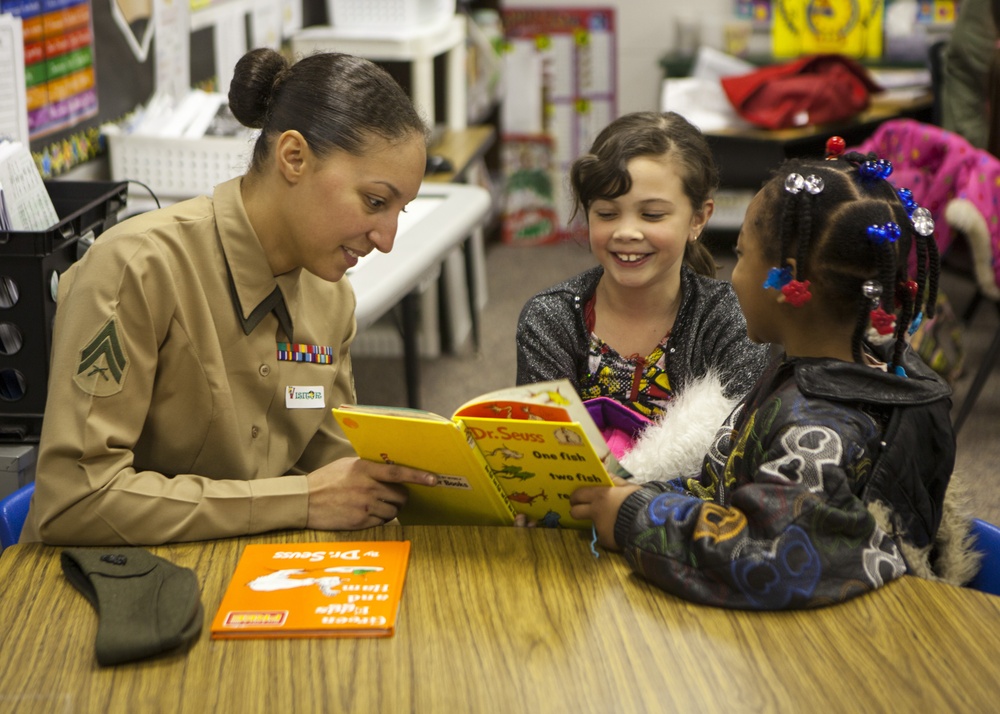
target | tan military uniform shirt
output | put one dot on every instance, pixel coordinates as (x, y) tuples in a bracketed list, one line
[(167, 417)]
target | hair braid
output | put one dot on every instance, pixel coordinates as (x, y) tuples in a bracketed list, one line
[(788, 225), (857, 338), (923, 257), (934, 270), (907, 302), (805, 209)]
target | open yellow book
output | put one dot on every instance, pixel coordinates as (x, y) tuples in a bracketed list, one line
[(516, 450)]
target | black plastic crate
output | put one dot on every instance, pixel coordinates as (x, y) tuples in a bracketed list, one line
[(30, 265)]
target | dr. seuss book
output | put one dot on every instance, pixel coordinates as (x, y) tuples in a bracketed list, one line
[(349, 589), (517, 450)]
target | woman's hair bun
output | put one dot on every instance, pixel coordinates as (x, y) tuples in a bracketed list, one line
[(253, 84)]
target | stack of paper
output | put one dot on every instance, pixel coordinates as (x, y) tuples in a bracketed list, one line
[(196, 115), (25, 204)]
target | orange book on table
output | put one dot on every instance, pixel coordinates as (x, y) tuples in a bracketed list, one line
[(349, 589)]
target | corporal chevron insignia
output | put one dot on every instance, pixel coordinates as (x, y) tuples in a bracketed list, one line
[(103, 363)]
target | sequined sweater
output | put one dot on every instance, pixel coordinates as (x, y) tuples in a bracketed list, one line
[(709, 333)]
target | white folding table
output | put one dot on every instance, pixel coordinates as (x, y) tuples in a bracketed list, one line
[(441, 218)]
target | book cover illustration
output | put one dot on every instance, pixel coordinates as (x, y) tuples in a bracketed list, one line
[(539, 464), (349, 589), (518, 450)]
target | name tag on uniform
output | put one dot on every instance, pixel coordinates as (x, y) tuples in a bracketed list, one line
[(304, 398)]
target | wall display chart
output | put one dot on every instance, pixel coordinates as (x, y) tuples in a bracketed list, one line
[(60, 79), (580, 77)]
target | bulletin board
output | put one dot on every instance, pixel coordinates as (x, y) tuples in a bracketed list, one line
[(581, 79), (81, 72)]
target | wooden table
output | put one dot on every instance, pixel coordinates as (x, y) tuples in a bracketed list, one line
[(513, 620)]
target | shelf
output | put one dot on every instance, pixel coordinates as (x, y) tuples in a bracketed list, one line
[(419, 46)]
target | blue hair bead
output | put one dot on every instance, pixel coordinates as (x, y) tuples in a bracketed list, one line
[(877, 234), (900, 372), (915, 325), (777, 278), (906, 196), (880, 169)]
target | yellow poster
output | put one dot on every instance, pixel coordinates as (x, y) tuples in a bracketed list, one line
[(847, 27)]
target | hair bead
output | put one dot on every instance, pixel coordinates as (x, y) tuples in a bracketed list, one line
[(877, 169), (777, 278), (794, 183), (796, 293), (872, 290), (923, 221), (835, 146), (883, 325)]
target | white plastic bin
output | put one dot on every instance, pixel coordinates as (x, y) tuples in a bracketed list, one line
[(388, 15), (177, 168)]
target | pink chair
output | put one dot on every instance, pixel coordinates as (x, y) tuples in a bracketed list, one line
[(960, 185)]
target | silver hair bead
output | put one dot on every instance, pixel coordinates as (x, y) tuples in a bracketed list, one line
[(794, 183), (871, 289), (923, 222), (814, 184)]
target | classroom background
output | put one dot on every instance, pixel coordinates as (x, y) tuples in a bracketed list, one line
[(535, 81)]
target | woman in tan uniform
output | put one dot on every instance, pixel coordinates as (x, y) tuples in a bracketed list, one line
[(199, 348)]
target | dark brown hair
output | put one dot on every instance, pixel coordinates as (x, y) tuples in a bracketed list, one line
[(827, 234), (336, 101), (603, 173)]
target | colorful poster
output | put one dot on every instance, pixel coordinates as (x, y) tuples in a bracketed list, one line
[(757, 11), (61, 86), (937, 12), (848, 27), (577, 46)]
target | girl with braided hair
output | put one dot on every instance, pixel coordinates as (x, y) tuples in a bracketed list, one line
[(831, 478)]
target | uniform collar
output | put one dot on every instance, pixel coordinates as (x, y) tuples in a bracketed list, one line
[(254, 289)]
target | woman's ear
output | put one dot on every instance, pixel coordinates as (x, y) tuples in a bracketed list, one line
[(700, 219), (291, 154)]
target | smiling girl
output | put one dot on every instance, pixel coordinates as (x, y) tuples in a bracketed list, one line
[(650, 319)]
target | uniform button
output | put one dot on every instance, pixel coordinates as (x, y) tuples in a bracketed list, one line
[(255, 432), (265, 369)]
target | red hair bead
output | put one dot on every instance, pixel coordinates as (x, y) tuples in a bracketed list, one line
[(835, 146)]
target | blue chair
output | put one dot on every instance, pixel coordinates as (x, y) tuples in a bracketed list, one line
[(13, 511), (987, 542)]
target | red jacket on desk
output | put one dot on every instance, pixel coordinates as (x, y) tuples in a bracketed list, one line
[(819, 89)]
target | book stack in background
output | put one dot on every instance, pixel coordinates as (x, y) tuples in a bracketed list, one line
[(24, 201), (180, 149)]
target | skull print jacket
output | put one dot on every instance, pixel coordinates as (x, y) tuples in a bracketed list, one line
[(827, 481)]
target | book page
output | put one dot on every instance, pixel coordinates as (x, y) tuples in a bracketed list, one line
[(26, 199), (556, 400), (402, 412), (13, 95)]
